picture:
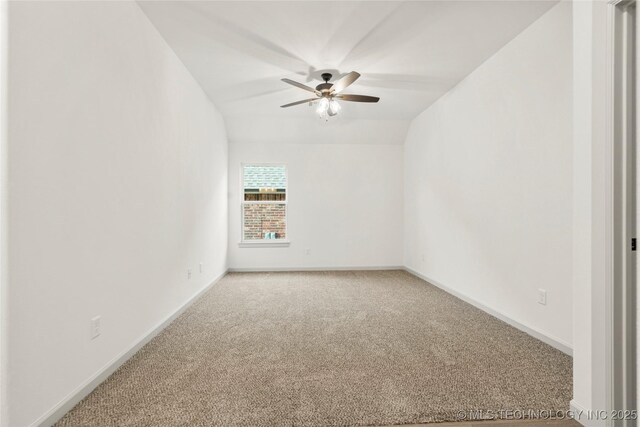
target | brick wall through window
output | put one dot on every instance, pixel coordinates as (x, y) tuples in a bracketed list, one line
[(260, 219)]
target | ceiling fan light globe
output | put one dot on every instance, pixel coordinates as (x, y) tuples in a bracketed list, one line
[(334, 107), (323, 106)]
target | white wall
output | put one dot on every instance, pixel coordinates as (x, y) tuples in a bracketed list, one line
[(488, 176), (286, 128), (118, 185), (345, 205)]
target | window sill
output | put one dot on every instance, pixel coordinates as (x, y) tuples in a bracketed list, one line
[(265, 244)]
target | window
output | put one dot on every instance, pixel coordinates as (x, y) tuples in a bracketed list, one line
[(264, 204)]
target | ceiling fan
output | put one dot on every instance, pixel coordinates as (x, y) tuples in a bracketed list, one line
[(328, 94)]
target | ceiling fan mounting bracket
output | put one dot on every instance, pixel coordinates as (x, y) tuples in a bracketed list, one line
[(326, 77)]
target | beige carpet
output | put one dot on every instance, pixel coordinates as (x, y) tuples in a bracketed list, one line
[(327, 349)]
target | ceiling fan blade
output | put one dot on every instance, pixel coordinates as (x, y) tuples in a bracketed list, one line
[(358, 98), (301, 86), (299, 102), (344, 82)]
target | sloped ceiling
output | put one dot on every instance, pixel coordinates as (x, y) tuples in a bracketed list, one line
[(409, 54)]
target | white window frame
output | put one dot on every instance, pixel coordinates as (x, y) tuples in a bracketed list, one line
[(264, 243)]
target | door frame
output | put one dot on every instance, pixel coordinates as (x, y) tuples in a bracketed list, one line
[(621, 99)]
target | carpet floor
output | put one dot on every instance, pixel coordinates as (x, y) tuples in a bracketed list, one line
[(349, 348)]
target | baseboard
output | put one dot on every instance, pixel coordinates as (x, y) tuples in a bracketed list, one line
[(585, 416), (552, 341), (294, 269), (58, 411)]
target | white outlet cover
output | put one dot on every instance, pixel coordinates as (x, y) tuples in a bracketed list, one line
[(95, 327), (542, 296)]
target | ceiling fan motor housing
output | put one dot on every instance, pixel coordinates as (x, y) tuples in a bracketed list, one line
[(326, 86)]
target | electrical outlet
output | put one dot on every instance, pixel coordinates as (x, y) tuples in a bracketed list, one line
[(200, 267), (95, 327), (189, 274), (542, 296), (307, 251)]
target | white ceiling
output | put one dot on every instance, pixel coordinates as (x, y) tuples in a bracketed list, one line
[(409, 53)]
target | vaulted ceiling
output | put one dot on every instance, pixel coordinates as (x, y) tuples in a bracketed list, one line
[(409, 53)]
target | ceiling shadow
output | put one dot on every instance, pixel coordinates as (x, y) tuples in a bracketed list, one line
[(215, 28)]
